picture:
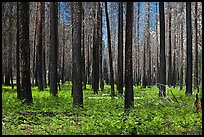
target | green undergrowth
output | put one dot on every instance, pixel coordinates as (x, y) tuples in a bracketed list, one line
[(100, 114)]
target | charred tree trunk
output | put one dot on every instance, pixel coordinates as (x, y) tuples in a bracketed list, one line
[(53, 47), (138, 49), (120, 48), (110, 53), (95, 70), (34, 39), (189, 49), (43, 46), (39, 50), (100, 46), (170, 56), (24, 52), (181, 61), (76, 56), (196, 51), (129, 95), (19, 93), (162, 79)]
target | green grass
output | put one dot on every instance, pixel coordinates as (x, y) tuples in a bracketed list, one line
[(102, 114)]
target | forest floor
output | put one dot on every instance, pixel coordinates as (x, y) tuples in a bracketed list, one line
[(101, 114)]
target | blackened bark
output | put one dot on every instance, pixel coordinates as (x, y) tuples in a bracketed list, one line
[(196, 51), (24, 52), (138, 50), (189, 49), (170, 56), (39, 49), (53, 47), (181, 61), (43, 46), (76, 56), (10, 58), (120, 48), (162, 79), (129, 95), (19, 95), (100, 46), (144, 79), (110, 52), (95, 76), (34, 39), (9, 50), (105, 72)]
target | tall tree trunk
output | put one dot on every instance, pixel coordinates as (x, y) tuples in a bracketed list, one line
[(76, 56), (170, 56), (88, 63), (138, 49), (120, 48), (110, 52), (129, 95), (100, 47), (24, 52), (95, 76), (63, 51), (9, 50), (53, 47), (43, 46), (19, 93), (189, 49), (157, 39), (196, 51), (148, 47), (181, 61), (144, 80), (162, 79), (39, 49), (10, 62), (34, 39), (83, 52)]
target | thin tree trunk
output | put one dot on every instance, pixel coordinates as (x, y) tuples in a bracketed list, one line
[(181, 61), (19, 93), (39, 49), (170, 56), (120, 48), (138, 49), (11, 46), (162, 79), (196, 51), (100, 47), (148, 47), (95, 70), (189, 49), (43, 46), (34, 39), (157, 38), (83, 52), (63, 51), (110, 53)]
